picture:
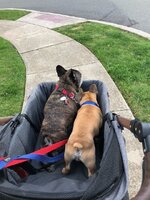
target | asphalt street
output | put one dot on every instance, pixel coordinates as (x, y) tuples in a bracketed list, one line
[(135, 13)]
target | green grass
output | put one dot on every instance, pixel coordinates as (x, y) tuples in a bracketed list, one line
[(125, 56), (12, 14), (12, 76), (12, 71)]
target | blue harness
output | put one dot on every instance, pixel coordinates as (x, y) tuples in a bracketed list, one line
[(89, 103)]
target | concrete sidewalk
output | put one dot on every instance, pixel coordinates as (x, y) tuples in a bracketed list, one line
[(42, 49)]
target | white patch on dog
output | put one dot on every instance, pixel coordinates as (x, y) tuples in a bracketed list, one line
[(77, 155), (63, 98)]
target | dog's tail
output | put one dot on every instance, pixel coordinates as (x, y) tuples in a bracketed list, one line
[(78, 151), (78, 146)]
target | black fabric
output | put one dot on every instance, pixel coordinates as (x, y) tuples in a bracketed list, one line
[(6, 135), (126, 196), (108, 173), (110, 169), (10, 197)]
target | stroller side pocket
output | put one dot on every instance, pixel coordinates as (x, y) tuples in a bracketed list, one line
[(9, 145), (6, 134)]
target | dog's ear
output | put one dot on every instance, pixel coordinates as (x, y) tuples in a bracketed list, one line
[(79, 95), (75, 76), (72, 75), (93, 89), (60, 70)]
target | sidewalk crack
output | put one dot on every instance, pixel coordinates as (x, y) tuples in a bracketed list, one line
[(46, 46)]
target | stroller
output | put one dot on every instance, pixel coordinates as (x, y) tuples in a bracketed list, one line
[(22, 175)]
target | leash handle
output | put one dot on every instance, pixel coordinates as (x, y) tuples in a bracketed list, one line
[(141, 130)]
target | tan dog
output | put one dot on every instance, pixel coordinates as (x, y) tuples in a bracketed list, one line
[(80, 145)]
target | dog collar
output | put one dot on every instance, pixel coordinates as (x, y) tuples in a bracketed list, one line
[(89, 103), (71, 95)]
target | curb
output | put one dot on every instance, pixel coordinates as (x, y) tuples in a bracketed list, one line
[(125, 28), (122, 27)]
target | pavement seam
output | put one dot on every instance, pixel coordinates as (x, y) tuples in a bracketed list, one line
[(73, 66), (46, 46), (33, 24)]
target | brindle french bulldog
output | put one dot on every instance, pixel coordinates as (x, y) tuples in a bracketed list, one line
[(62, 105)]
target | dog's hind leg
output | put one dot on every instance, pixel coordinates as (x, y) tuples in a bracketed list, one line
[(68, 159), (88, 158), (66, 169), (91, 171)]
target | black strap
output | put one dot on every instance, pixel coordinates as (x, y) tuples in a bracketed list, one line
[(29, 120), (13, 123)]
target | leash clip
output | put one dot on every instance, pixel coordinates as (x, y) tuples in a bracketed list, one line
[(7, 159)]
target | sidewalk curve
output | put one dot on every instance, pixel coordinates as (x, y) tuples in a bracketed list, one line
[(42, 49)]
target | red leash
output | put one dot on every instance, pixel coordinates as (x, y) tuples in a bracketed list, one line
[(41, 151)]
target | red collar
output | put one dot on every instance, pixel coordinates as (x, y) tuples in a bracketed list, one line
[(71, 95)]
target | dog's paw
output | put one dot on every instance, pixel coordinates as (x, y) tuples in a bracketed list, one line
[(90, 172), (65, 171)]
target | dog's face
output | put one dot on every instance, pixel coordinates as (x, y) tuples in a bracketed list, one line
[(71, 77)]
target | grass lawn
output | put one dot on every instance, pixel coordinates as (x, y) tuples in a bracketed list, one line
[(12, 14), (125, 56), (12, 71), (12, 76)]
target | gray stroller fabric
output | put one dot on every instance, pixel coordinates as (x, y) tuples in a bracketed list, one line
[(110, 180)]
